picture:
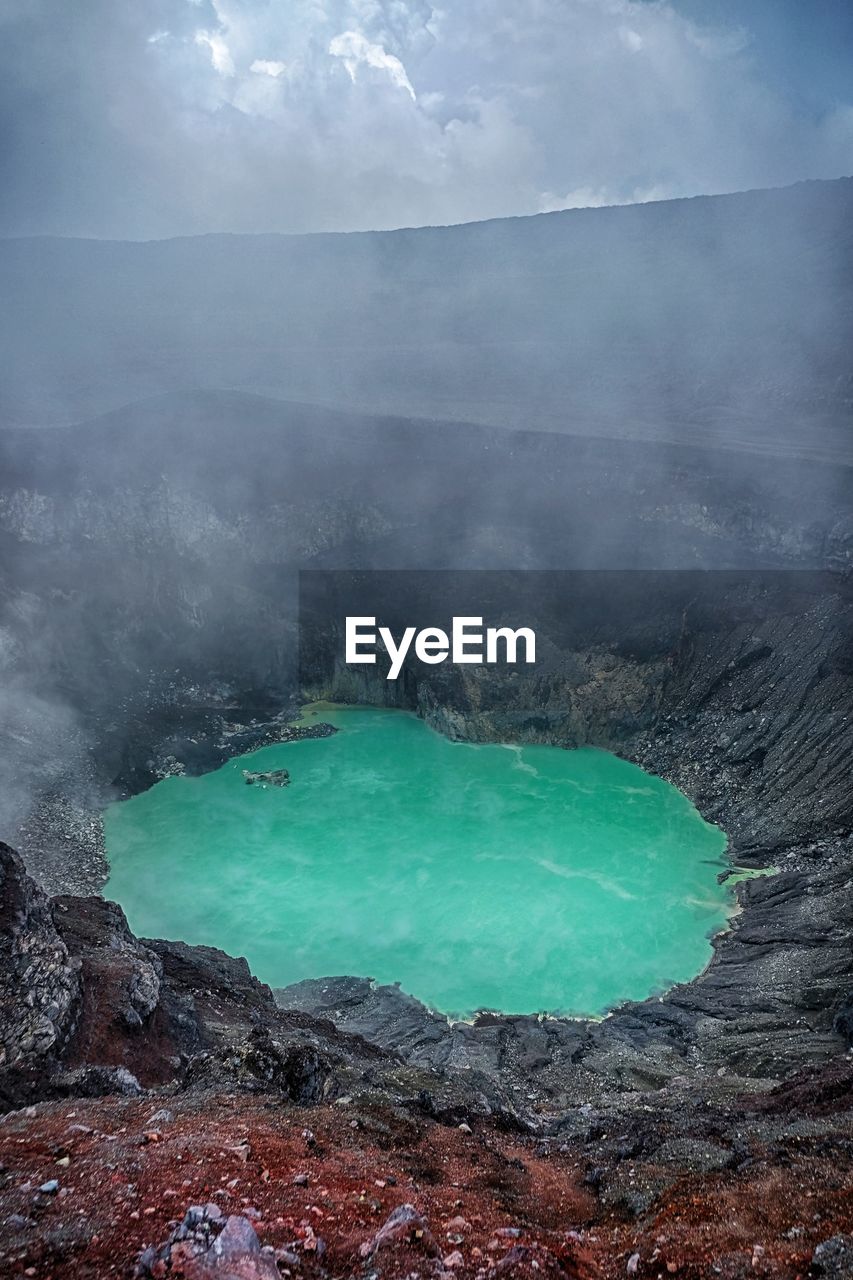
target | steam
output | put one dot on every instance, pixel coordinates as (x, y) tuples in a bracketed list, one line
[(356, 51)]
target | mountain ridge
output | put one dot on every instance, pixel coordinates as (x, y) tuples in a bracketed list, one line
[(438, 226), (723, 320)]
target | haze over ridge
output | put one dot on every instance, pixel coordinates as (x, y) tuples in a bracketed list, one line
[(716, 319)]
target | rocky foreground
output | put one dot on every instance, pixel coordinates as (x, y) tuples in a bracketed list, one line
[(164, 1116), (249, 1184)]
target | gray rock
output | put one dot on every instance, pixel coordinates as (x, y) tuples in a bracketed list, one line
[(270, 778), (237, 1237), (39, 982), (833, 1258), (405, 1224)]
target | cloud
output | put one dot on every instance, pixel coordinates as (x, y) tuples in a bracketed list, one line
[(220, 55), (356, 50), (631, 39), (267, 67), (596, 198), (174, 117)]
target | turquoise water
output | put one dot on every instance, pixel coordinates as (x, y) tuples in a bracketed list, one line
[(515, 878)]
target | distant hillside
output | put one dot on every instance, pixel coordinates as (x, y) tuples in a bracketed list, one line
[(726, 319)]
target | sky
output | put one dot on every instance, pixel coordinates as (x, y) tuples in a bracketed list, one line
[(143, 119)]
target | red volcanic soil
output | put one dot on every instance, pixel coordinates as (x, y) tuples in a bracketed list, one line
[(317, 1185)]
